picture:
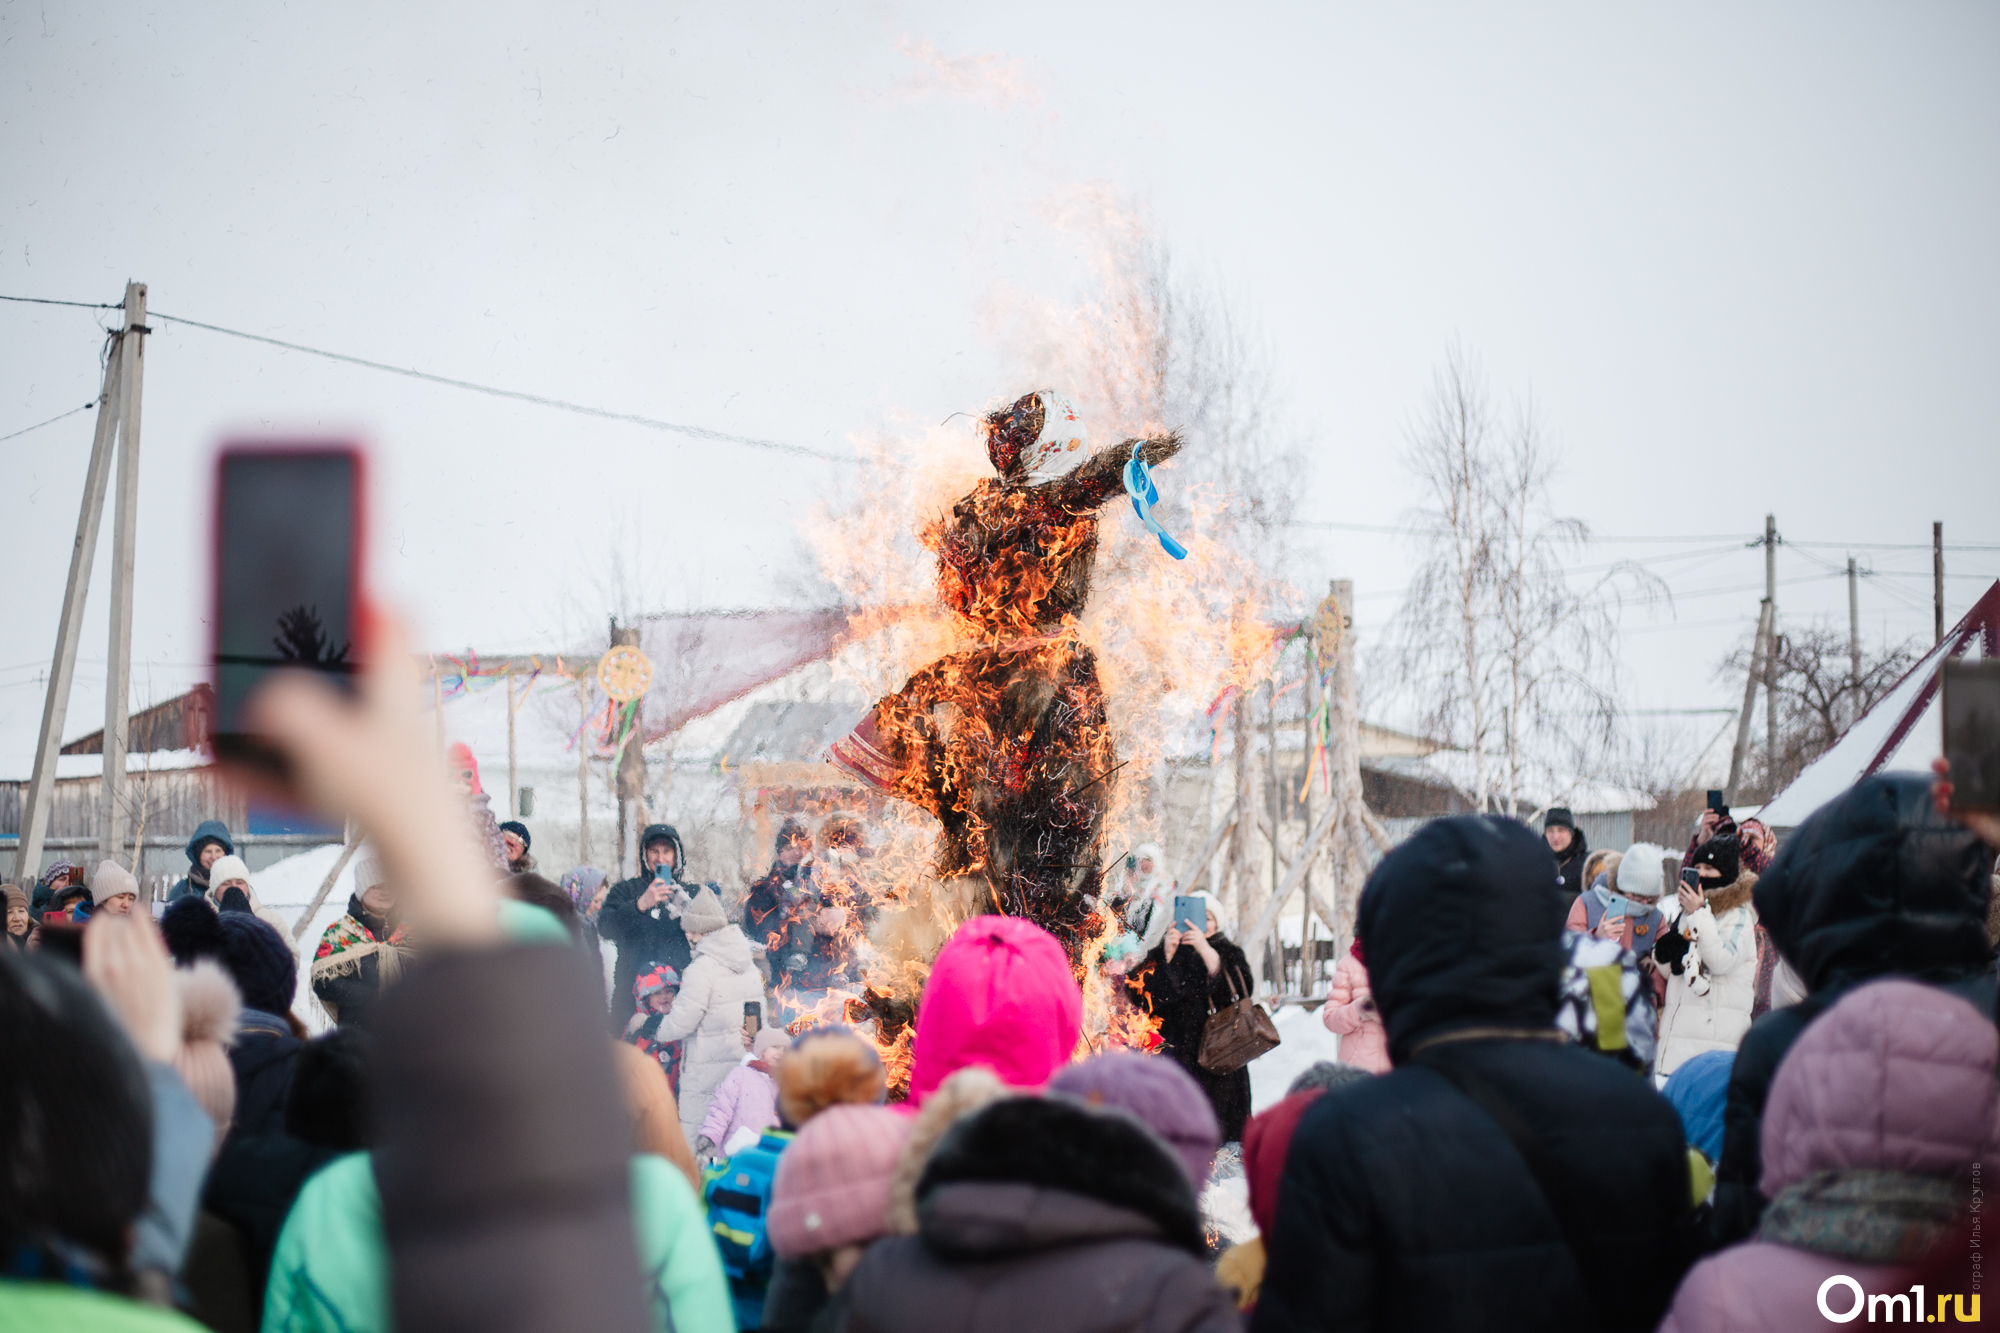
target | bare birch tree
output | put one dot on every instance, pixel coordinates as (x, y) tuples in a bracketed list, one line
[(1501, 652)]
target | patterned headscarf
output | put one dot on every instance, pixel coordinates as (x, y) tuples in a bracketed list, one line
[(1757, 844), (581, 883)]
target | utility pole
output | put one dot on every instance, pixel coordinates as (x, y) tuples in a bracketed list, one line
[(583, 774), (69, 626), (1937, 581), (1763, 656), (513, 777), (631, 770), (1771, 651), (124, 534), (1853, 638)]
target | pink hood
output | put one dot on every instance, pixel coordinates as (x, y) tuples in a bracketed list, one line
[(1000, 995), (1896, 1077)]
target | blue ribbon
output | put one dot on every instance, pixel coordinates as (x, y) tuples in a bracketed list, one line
[(1139, 485)]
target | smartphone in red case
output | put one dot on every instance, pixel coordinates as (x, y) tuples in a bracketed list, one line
[(287, 587)]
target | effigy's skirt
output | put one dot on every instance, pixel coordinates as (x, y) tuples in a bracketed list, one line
[(1008, 746)]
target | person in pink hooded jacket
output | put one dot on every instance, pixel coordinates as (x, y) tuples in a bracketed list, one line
[(1001, 995), (1350, 1011), (1875, 1121)]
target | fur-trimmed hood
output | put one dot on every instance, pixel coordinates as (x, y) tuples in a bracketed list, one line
[(966, 1092), (1735, 896), (1032, 1173)]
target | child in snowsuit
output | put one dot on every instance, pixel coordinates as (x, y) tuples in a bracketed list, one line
[(654, 994)]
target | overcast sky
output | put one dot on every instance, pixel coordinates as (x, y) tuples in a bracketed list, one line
[(1742, 256)]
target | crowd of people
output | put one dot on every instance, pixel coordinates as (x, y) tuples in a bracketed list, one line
[(1744, 1085)]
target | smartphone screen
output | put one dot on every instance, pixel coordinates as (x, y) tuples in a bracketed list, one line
[(1972, 733), (287, 553), (753, 1019)]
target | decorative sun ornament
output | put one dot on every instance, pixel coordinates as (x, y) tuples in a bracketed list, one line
[(624, 673)]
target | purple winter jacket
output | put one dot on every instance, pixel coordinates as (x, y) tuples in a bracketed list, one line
[(1898, 1077), (746, 1098)]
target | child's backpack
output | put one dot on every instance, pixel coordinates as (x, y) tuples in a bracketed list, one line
[(738, 1194)]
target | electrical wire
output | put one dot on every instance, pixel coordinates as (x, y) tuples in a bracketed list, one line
[(52, 420), (80, 305), (561, 405)]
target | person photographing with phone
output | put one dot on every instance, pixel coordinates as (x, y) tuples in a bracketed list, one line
[(642, 915), (1709, 953), (1194, 971)]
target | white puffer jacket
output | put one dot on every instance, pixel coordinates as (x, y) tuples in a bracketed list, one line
[(1724, 956), (708, 1013)]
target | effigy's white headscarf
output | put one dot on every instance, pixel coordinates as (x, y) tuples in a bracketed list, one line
[(1063, 443)]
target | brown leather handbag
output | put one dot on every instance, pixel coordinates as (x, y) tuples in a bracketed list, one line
[(1236, 1034)]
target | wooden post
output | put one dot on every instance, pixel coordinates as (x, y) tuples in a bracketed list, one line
[(124, 534), (513, 779), (582, 773), (1271, 796), (1853, 644), (631, 772), (62, 670), (1937, 582), (1344, 762), (1244, 820), (1750, 681), (1771, 657)]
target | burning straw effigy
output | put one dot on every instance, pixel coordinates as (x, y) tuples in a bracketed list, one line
[(1006, 742)]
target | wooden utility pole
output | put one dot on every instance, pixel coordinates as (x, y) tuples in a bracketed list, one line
[(513, 777), (1853, 640), (631, 770), (1750, 680), (1771, 654), (583, 773), (69, 625), (1937, 582), (124, 534)]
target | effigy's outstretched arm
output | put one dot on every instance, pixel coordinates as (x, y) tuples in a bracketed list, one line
[(1101, 476)]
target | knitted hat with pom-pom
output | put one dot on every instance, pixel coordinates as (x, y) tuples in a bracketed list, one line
[(210, 1008)]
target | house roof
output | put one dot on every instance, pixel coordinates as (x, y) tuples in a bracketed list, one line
[(1901, 731)]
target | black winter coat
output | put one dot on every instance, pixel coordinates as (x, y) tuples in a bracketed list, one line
[(1875, 883), (1182, 995), (1044, 1216), (644, 939), (263, 1057), (1569, 865), (1403, 1204)]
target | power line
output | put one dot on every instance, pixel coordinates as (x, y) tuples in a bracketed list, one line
[(561, 405), (52, 420), (80, 305)]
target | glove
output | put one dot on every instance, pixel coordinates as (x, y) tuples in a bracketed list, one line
[(704, 1151), (1672, 950)]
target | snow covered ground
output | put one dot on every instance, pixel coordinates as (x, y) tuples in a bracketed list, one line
[(1304, 1041)]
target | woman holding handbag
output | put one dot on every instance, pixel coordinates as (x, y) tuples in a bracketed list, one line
[(1190, 975)]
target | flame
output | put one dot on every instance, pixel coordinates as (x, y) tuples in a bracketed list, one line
[(1166, 638)]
